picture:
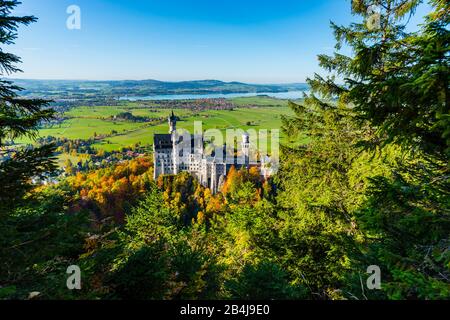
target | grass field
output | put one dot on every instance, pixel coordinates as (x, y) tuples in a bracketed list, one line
[(84, 128), (260, 118), (103, 112), (259, 101), (84, 122)]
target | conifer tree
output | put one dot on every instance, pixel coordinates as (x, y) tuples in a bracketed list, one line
[(18, 118), (392, 92), (397, 81)]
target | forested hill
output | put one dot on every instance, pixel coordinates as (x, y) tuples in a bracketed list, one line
[(73, 88)]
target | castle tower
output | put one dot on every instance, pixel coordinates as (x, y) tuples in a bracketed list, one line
[(213, 186), (172, 123), (175, 142), (246, 147), (222, 179)]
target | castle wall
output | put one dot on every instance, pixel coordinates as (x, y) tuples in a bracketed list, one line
[(171, 158)]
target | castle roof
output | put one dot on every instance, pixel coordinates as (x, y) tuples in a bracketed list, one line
[(172, 117), (162, 141)]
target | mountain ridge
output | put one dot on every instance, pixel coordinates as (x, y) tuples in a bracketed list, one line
[(149, 87)]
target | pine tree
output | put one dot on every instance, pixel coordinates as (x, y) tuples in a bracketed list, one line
[(18, 118), (397, 81), (392, 95)]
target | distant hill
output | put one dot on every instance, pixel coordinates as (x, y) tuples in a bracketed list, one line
[(73, 89)]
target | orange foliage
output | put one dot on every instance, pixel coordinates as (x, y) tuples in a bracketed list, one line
[(231, 178), (111, 189)]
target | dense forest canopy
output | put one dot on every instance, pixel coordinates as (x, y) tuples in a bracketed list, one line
[(369, 188)]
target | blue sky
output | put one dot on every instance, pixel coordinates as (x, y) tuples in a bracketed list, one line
[(255, 41)]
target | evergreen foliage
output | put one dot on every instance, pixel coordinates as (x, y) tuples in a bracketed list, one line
[(371, 187), (18, 117)]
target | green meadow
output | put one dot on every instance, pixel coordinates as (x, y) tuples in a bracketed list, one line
[(104, 112), (253, 113), (241, 118), (85, 128), (259, 101)]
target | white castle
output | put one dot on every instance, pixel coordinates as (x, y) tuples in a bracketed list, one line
[(176, 152)]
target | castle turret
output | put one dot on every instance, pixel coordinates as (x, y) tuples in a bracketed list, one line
[(246, 147), (175, 142), (172, 123), (213, 186)]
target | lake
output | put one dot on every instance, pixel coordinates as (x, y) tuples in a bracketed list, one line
[(291, 95)]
